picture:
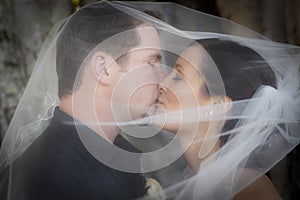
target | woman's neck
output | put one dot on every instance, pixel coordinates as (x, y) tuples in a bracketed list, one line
[(192, 155), (205, 143)]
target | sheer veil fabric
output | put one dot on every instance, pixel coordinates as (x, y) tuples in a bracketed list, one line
[(267, 124)]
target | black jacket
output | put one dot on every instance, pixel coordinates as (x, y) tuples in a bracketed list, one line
[(58, 166)]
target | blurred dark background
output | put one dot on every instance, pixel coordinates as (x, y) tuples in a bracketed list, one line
[(24, 24)]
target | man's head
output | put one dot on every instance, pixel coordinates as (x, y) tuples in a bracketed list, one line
[(126, 43), (86, 29)]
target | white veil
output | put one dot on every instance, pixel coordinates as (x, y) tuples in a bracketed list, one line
[(267, 127)]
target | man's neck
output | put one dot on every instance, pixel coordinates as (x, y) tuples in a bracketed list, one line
[(86, 114)]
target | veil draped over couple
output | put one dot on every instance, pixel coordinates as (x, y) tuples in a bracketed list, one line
[(133, 100)]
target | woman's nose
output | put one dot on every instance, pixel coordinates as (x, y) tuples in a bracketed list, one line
[(161, 86)]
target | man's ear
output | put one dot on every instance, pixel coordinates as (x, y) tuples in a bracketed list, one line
[(100, 64)]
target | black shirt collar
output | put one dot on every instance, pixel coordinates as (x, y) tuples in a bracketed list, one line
[(79, 135)]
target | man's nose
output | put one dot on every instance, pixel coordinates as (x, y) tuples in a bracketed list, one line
[(161, 75)]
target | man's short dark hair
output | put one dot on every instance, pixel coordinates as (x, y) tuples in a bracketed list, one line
[(86, 29)]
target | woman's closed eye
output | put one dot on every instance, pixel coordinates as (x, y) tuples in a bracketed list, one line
[(177, 77), (152, 64)]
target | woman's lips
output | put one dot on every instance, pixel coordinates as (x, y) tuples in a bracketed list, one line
[(158, 102)]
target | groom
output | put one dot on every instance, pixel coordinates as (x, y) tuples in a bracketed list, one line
[(98, 84)]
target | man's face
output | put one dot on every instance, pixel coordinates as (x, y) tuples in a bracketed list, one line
[(137, 89)]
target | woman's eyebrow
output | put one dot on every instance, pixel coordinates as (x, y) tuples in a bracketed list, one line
[(178, 67)]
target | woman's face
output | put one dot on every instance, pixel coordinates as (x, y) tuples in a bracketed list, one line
[(182, 88)]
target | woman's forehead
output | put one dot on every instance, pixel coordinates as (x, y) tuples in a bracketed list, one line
[(191, 58)]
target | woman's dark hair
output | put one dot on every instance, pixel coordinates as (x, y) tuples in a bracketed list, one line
[(242, 70)]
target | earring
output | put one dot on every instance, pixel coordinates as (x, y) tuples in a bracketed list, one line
[(209, 114)]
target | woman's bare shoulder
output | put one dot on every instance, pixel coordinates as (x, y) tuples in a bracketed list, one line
[(262, 188)]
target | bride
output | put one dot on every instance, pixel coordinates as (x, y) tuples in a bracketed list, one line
[(191, 85)]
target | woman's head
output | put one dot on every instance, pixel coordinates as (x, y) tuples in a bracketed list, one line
[(180, 90), (192, 83)]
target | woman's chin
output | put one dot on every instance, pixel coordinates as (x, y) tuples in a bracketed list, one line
[(160, 119), (173, 128)]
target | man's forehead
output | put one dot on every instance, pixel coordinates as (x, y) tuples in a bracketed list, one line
[(148, 52), (149, 37)]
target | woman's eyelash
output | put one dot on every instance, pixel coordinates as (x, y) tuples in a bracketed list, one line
[(176, 78), (152, 64)]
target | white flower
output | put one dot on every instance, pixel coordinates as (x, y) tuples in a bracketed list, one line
[(154, 190)]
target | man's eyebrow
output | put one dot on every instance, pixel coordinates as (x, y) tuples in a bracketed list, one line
[(156, 56)]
